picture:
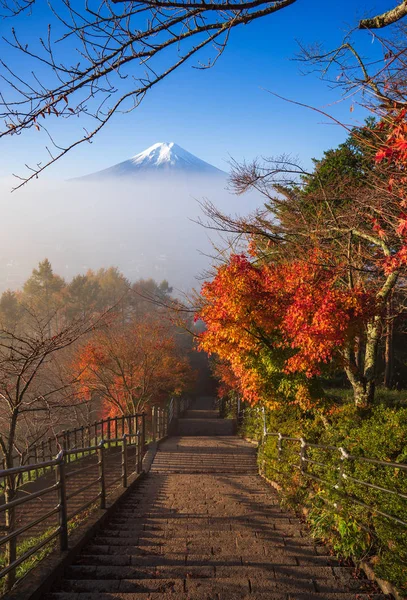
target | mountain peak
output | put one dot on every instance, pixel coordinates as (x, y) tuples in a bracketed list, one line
[(162, 157), (168, 155), (163, 153), (160, 149)]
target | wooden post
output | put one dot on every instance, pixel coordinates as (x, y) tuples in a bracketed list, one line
[(280, 446), (143, 433), (153, 423), (166, 421), (109, 433), (10, 554), (68, 444), (75, 432), (102, 482), (28, 463), (303, 456), (124, 461), (36, 460), (62, 505), (139, 455)]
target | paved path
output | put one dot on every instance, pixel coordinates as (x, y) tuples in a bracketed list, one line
[(203, 525), (203, 420)]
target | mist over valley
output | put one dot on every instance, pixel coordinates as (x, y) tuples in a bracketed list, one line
[(139, 215)]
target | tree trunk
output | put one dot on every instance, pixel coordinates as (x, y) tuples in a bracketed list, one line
[(358, 386), (10, 554), (359, 353), (362, 372), (389, 348), (355, 377), (372, 344)]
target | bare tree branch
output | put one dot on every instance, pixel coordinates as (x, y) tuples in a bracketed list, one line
[(385, 19), (107, 59)]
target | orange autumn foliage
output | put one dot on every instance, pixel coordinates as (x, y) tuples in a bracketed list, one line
[(228, 381), (392, 155), (130, 366), (296, 310)]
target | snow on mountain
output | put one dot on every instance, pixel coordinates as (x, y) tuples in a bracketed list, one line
[(161, 158)]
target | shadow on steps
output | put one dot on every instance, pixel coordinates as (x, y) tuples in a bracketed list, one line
[(209, 427), (203, 420)]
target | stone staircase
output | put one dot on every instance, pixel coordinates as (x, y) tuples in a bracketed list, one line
[(214, 427), (203, 525), (219, 454), (203, 420)]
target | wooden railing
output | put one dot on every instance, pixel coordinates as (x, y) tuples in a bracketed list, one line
[(344, 474), (67, 457), (86, 435)]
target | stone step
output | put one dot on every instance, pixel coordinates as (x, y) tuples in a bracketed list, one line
[(200, 414), (128, 549), (265, 571), (156, 585), (101, 596), (180, 533), (105, 540), (169, 589), (221, 470), (213, 585), (132, 572), (202, 595), (210, 427), (123, 556), (136, 560)]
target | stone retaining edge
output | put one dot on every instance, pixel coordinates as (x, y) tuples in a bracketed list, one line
[(385, 586), (40, 579), (365, 566)]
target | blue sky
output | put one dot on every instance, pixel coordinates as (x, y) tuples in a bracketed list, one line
[(225, 111)]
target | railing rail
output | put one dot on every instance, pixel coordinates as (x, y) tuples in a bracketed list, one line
[(83, 436), (101, 440), (90, 435), (59, 464), (65, 455), (342, 474)]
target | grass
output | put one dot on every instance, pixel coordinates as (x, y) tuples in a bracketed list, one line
[(26, 545), (383, 396)]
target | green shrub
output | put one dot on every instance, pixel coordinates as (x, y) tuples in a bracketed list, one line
[(341, 510)]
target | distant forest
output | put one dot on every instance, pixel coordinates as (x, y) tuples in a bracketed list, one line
[(96, 346)]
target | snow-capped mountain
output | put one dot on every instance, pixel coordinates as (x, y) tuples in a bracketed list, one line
[(163, 158)]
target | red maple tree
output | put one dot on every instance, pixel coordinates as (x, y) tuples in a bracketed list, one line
[(132, 365), (292, 317)]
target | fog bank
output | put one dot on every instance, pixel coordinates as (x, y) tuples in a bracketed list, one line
[(144, 228)]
